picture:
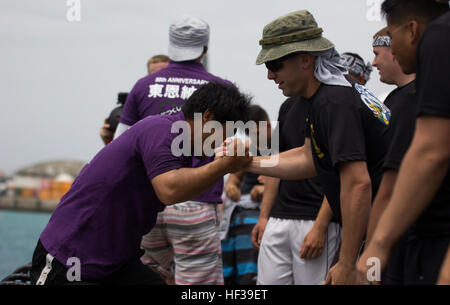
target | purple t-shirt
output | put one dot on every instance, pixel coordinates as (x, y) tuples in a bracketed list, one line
[(164, 92), (112, 204)]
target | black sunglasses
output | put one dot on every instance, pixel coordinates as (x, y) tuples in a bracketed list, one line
[(277, 64)]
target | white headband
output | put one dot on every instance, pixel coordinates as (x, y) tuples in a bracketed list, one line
[(381, 41)]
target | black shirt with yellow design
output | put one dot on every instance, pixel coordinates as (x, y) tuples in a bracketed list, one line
[(346, 124)]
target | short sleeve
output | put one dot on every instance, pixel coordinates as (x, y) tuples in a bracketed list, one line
[(342, 128), (284, 108), (155, 148), (130, 114), (401, 130), (433, 77)]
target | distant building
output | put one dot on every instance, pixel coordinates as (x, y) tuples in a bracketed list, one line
[(40, 186), (52, 169)]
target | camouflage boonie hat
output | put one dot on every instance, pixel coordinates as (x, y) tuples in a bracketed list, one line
[(294, 32)]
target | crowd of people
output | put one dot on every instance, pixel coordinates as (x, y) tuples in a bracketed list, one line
[(360, 192)]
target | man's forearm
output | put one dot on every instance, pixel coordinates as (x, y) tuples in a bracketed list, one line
[(355, 210), (421, 174), (418, 181), (186, 183), (444, 276), (270, 194), (324, 216), (236, 178), (381, 201), (290, 165)]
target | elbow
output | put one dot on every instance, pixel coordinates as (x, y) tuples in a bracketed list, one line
[(167, 196), (358, 181), (359, 194), (356, 184), (364, 185), (166, 200), (356, 202), (167, 188), (363, 189), (435, 157)]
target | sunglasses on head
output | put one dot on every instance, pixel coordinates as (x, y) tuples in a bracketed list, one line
[(277, 64)]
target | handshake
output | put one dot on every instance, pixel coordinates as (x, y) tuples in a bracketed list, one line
[(235, 154)]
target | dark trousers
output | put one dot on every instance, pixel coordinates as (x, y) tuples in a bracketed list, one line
[(132, 272), (423, 259), (394, 273)]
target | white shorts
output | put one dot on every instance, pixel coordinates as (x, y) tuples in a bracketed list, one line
[(279, 261)]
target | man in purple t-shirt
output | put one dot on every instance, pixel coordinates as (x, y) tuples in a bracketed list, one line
[(185, 245), (97, 227), (155, 63)]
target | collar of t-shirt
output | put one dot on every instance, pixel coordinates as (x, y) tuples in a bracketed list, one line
[(411, 83), (348, 78), (179, 116), (191, 64), (315, 93)]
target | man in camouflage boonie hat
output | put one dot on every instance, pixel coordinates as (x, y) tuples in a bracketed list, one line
[(298, 33), (345, 143), (298, 202), (294, 32)]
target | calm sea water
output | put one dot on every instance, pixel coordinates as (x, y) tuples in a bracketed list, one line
[(19, 233)]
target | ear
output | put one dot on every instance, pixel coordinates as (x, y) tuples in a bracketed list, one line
[(205, 49), (207, 116), (414, 31), (307, 61), (361, 79)]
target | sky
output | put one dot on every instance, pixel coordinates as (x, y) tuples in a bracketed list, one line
[(60, 74)]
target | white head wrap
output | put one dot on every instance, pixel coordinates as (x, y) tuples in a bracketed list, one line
[(328, 69)]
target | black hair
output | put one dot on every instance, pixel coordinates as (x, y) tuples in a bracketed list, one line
[(425, 10), (224, 101), (256, 114)]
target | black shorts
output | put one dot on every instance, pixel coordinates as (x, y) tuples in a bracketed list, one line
[(423, 260), (48, 271), (394, 273)]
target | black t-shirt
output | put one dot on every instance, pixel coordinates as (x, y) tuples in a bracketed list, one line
[(389, 101), (296, 199), (403, 104), (433, 69), (347, 124), (433, 94), (248, 182)]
